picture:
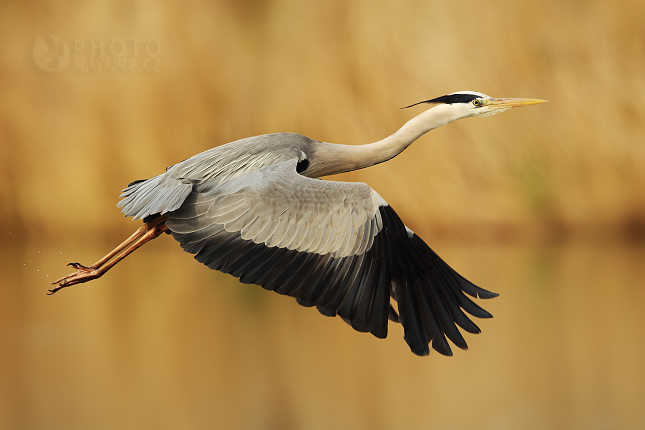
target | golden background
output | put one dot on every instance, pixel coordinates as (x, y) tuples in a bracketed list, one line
[(544, 205)]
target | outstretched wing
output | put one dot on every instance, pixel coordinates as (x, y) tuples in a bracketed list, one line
[(335, 245)]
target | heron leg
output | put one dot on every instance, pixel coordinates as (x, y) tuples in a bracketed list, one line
[(150, 230)]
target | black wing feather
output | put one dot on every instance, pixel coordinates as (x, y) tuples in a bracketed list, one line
[(431, 296)]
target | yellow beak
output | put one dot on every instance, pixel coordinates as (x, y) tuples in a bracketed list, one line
[(511, 103)]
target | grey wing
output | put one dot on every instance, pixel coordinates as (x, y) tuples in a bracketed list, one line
[(335, 245)]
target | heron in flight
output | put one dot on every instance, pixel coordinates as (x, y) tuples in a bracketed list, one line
[(256, 209)]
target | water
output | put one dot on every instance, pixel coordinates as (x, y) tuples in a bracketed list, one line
[(162, 342)]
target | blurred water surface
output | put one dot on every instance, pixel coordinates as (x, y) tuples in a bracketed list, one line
[(544, 204), (162, 342)]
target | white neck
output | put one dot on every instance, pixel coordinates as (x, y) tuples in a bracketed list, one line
[(335, 158)]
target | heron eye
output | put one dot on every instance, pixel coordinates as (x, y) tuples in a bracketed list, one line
[(477, 102)]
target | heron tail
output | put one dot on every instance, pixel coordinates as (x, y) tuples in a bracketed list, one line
[(157, 195)]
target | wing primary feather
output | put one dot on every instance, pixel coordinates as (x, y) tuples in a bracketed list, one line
[(362, 307), (457, 314), (432, 325), (279, 266), (392, 315), (334, 300), (326, 312), (365, 305), (464, 302), (445, 318), (318, 276), (332, 281), (297, 269), (411, 320), (256, 255), (349, 305), (307, 285), (304, 303), (269, 258), (232, 252), (470, 288), (215, 253), (380, 305), (463, 284), (472, 308)]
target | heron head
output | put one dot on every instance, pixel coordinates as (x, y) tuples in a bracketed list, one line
[(464, 104)]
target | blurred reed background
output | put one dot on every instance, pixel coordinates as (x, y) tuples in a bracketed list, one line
[(543, 204)]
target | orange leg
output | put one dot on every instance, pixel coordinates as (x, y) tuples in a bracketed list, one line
[(150, 230)]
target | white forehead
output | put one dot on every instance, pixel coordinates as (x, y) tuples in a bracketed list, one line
[(475, 93)]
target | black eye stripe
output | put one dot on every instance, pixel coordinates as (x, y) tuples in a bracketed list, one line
[(450, 99), (454, 98)]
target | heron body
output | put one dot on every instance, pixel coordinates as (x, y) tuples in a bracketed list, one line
[(256, 209)]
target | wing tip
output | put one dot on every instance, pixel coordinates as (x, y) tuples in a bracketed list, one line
[(485, 294)]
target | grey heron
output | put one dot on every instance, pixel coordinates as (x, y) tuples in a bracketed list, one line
[(257, 209)]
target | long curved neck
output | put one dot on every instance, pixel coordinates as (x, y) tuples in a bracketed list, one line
[(334, 158)]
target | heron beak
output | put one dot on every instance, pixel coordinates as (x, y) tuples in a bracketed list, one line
[(511, 103)]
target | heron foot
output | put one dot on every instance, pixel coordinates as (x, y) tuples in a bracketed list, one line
[(150, 230), (82, 274)]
